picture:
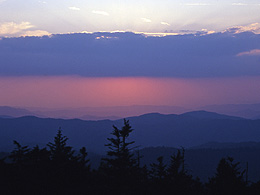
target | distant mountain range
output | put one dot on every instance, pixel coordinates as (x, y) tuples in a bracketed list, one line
[(7, 111), (249, 111), (227, 145), (112, 112), (188, 129), (90, 113), (206, 137), (201, 114)]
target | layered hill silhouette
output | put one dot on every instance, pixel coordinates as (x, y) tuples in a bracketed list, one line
[(9, 112), (187, 130), (202, 163), (249, 111), (88, 113)]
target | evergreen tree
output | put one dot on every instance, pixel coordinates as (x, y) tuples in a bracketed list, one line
[(121, 158), (228, 179), (158, 170), (178, 180), (120, 168), (59, 151), (177, 165), (82, 158), (157, 177), (38, 156), (19, 154), (67, 172)]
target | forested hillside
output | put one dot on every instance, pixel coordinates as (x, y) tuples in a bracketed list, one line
[(155, 129)]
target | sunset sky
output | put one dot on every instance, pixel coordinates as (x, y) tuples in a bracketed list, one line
[(74, 92), (32, 17), (115, 53)]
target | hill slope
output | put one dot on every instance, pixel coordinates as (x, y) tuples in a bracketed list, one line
[(6, 111), (150, 130)]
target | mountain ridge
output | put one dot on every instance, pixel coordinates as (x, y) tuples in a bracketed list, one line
[(152, 129)]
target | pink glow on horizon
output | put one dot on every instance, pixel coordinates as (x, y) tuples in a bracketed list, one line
[(72, 91)]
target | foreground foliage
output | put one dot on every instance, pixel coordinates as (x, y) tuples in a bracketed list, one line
[(58, 169)]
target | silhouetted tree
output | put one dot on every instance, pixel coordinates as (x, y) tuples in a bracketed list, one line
[(59, 151), (157, 177), (120, 167), (19, 154), (178, 180), (42, 171), (228, 178), (82, 158), (177, 165), (69, 172), (59, 171), (158, 170), (38, 156), (121, 158)]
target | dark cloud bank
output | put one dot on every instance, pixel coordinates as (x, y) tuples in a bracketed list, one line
[(129, 54)]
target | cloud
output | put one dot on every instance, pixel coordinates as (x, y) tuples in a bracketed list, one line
[(255, 28), (133, 55), (196, 4), (74, 8), (12, 28), (106, 37), (206, 31), (1, 1), (36, 33), (146, 20), (239, 4), (43, 2), (254, 52), (165, 23), (147, 34), (100, 13)]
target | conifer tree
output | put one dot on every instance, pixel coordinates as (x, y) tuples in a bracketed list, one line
[(177, 164), (39, 156), (59, 151), (120, 167), (19, 154), (69, 171), (157, 176), (158, 170), (119, 152), (178, 180), (228, 178)]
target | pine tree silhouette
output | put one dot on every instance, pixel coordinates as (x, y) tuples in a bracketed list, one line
[(68, 171), (19, 154), (228, 178), (177, 164), (119, 152), (178, 180), (120, 167), (59, 151), (158, 170)]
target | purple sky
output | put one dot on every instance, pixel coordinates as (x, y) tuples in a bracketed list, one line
[(110, 69), (225, 54)]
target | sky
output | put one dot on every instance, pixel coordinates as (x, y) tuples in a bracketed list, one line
[(76, 92), (38, 17), (79, 53)]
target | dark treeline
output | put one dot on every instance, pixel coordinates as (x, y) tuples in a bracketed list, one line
[(58, 169)]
